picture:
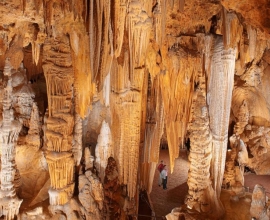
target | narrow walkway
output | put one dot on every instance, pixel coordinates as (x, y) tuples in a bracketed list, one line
[(164, 201)]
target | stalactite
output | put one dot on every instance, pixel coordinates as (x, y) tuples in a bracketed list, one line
[(138, 25), (201, 194), (159, 16), (119, 25), (177, 83), (252, 35), (220, 95), (232, 29)]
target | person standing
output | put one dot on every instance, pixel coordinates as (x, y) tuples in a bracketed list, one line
[(160, 168), (164, 176)]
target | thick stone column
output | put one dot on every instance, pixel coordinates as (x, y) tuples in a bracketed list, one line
[(219, 100), (59, 75), (9, 131)]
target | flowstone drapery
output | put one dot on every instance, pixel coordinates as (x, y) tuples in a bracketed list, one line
[(9, 132)]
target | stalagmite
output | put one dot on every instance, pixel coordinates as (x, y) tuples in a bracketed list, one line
[(103, 149), (258, 205), (33, 136), (91, 193), (10, 128), (77, 140), (201, 194)]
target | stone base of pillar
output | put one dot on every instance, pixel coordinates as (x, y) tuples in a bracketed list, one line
[(9, 207), (61, 196)]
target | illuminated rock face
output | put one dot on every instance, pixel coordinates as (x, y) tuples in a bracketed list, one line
[(114, 75)]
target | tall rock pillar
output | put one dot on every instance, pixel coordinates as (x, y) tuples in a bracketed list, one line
[(9, 131), (219, 100), (59, 75)]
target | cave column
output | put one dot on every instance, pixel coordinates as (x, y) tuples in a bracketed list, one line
[(127, 83), (219, 100), (58, 70), (9, 202)]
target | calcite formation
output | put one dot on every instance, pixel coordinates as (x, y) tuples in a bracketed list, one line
[(89, 90), (10, 128), (60, 122), (201, 194), (258, 209)]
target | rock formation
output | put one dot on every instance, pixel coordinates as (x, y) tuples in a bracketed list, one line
[(201, 196), (258, 209), (89, 88), (10, 128)]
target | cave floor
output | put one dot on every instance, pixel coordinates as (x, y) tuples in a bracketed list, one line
[(163, 201)]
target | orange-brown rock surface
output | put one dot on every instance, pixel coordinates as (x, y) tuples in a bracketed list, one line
[(96, 84)]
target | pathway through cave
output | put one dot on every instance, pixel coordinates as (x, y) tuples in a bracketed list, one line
[(163, 201)]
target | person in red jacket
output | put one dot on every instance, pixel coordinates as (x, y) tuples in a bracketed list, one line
[(160, 168)]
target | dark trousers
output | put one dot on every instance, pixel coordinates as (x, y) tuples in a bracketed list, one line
[(164, 183)]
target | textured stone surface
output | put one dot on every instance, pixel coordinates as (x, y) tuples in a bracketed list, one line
[(97, 85)]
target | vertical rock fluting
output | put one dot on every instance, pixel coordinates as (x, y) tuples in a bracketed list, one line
[(100, 39), (59, 75), (119, 25), (159, 20), (219, 100), (201, 194), (128, 75), (9, 132)]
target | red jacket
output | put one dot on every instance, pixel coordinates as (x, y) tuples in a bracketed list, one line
[(160, 167)]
